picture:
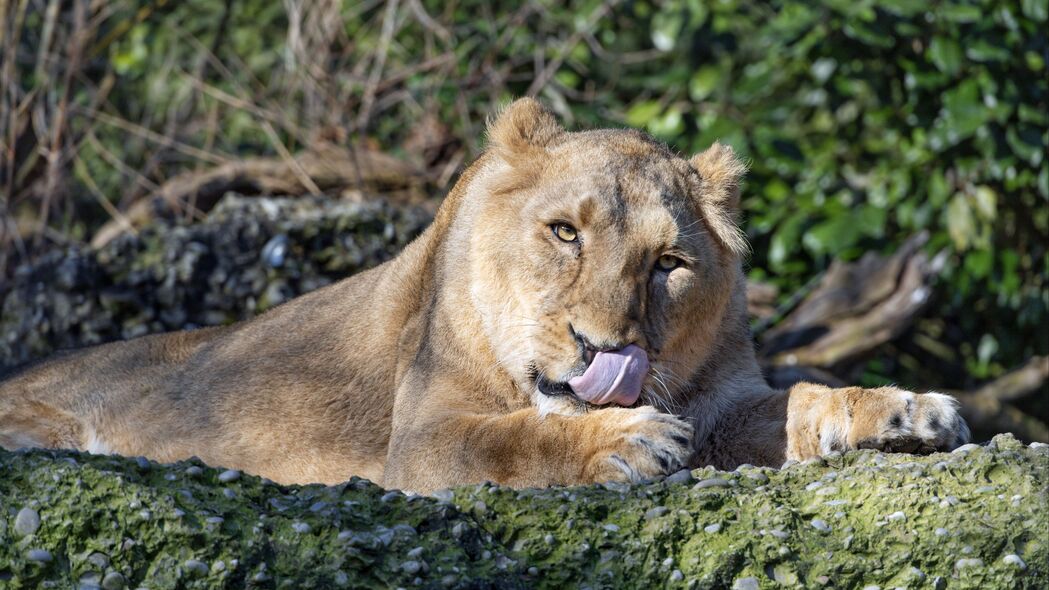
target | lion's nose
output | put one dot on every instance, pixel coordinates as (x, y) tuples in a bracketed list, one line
[(591, 346)]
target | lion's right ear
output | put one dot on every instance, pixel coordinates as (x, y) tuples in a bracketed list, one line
[(523, 126)]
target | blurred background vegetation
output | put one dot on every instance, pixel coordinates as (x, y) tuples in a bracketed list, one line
[(865, 123)]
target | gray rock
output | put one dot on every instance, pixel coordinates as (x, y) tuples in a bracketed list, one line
[(99, 560), (41, 555), (1014, 559), (656, 512), (820, 525), (758, 477), (89, 580), (275, 251), (196, 567), (113, 581), (27, 522), (229, 475), (746, 584), (678, 477), (445, 495), (714, 482)]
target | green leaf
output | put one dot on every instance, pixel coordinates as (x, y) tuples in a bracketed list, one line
[(703, 82), (981, 50), (833, 235), (784, 242), (642, 112), (987, 348), (665, 30), (667, 126), (962, 114), (960, 223), (1036, 10), (823, 68), (1026, 144), (986, 202), (959, 13), (946, 55)]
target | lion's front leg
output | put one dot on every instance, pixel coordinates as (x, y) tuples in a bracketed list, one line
[(523, 448), (821, 420)]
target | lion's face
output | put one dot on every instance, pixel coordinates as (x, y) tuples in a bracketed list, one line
[(595, 241)]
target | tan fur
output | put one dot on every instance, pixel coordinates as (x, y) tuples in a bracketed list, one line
[(421, 373)]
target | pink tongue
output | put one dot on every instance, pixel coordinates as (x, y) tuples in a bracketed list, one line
[(613, 376)]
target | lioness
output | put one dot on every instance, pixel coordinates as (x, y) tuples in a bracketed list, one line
[(576, 313)]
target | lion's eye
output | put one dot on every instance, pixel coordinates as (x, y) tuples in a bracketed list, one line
[(667, 262), (565, 232)]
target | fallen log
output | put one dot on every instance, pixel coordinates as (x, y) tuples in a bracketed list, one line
[(974, 518), (326, 168), (989, 408), (856, 308)]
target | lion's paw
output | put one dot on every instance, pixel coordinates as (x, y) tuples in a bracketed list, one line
[(634, 444), (894, 420)]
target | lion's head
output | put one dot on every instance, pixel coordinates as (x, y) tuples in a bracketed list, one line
[(585, 243)]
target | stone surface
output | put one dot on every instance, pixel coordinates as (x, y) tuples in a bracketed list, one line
[(581, 536), (220, 270)]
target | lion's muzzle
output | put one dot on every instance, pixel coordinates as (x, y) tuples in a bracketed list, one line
[(614, 376)]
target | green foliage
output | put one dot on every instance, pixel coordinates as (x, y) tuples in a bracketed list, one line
[(864, 121)]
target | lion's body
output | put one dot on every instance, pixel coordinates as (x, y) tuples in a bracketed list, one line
[(422, 373)]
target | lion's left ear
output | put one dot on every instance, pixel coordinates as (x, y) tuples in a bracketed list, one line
[(721, 172)]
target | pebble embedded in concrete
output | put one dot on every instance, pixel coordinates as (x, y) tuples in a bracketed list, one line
[(714, 482), (41, 555), (229, 475), (196, 567), (27, 522), (682, 476), (113, 581), (820, 525), (1014, 559), (656, 512), (749, 583)]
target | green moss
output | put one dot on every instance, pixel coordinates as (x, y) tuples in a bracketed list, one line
[(886, 520)]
